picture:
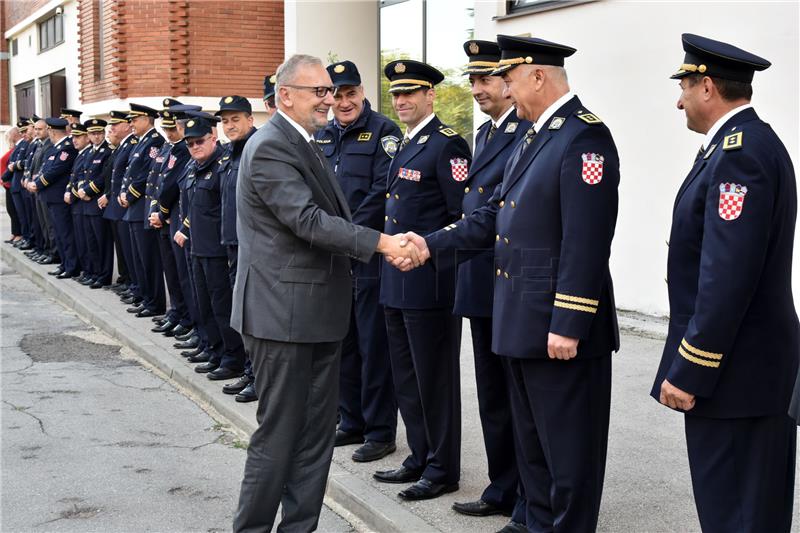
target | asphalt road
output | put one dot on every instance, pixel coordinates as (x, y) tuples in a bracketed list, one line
[(92, 440)]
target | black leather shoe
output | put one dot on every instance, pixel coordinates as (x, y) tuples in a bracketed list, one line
[(189, 344), (206, 367), (47, 260), (97, 285), (166, 326), (86, 282), (160, 319), (513, 527), (223, 373), (177, 330), (56, 272), (25, 246), (146, 313), (372, 451), (479, 508), (130, 300), (343, 438), (237, 386), (399, 475), (186, 336), (66, 275), (135, 309), (193, 352), (202, 357), (248, 394), (425, 489)]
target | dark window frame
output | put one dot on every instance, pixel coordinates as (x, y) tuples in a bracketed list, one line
[(50, 32), (536, 6)]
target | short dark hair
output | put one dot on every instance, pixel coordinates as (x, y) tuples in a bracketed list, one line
[(729, 90)]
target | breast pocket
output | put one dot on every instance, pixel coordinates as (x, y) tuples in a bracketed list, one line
[(206, 194)]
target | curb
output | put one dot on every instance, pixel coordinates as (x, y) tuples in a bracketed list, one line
[(373, 509)]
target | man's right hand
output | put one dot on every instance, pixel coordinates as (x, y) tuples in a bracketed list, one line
[(67, 198), (179, 238), (399, 251), (102, 201), (418, 242)]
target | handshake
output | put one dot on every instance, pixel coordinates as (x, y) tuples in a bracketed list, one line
[(404, 251)]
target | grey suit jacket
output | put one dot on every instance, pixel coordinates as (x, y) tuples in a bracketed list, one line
[(794, 407), (293, 279)]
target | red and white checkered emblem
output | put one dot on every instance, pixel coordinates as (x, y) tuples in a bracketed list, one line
[(731, 200), (460, 168), (63, 156), (153, 152), (592, 170), (171, 162)]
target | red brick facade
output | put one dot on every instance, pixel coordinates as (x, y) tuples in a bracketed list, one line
[(178, 47)]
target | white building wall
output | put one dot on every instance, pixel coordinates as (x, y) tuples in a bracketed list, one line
[(626, 53), (29, 64)]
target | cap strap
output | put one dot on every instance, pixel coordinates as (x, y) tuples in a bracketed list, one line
[(491, 64), (410, 81), (688, 67)]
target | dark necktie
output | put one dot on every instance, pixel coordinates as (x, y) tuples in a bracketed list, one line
[(522, 146), (317, 151), (491, 133), (404, 143), (700, 153)]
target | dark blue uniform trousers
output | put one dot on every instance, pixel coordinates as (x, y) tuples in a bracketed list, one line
[(123, 274), (177, 313), (61, 221), (214, 296), (743, 472), (100, 241), (126, 240), (233, 262), (150, 275), (424, 347), (79, 235), (194, 309), (367, 403), (22, 214), (560, 411), (494, 406)]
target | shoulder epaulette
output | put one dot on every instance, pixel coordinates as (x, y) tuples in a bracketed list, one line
[(448, 132), (134, 141), (733, 141), (155, 135), (589, 118)]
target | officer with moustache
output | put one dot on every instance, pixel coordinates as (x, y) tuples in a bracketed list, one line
[(236, 117), (425, 187), (97, 175), (731, 354), (146, 255), (359, 144), (494, 143)]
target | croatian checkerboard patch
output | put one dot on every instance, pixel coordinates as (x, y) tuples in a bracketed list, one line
[(153, 152), (408, 174), (731, 200), (460, 168), (63, 156), (171, 162), (592, 170)]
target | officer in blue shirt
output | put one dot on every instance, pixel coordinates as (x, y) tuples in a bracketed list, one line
[(731, 354), (169, 164), (99, 238), (123, 141), (146, 256), (49, 184), (76, 181), (225, 349), (359, 144), (553, 318), (494, 143), (236, 118), (425, 187)]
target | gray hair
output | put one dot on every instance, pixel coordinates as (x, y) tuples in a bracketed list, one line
[(11, 132), (287, 72)]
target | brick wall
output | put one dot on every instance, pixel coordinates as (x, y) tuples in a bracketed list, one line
[(16, 10), (178, 47)]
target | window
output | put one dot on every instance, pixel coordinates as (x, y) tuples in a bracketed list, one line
[(51, 32), (532, 6), (52, 93), (14, 47)]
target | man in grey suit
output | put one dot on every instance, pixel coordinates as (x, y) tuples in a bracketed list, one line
[(292, 298)]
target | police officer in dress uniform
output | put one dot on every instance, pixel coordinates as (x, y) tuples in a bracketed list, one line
[(359, 144), (269, 95), (49, 184), (553, 318), (122, 141), (425, 187), (236, 117), (494, 143), (731, 354), (16, 165), (81, 143), (99, 240), (72, 116), (39, 205), (146, 255), (169, 164), (225, 349)]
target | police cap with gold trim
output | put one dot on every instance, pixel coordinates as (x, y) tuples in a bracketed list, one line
[(169, 102), (179, 111), (78, 129), (139, 110), (515, 51), (234, 103), (717, 59), (344, 73), (167, 119), (269, 86), (95, 125), (118, 117), (22, 123), (199, 123), (70, 113), (56, 123), (483, 56), (407, 75)]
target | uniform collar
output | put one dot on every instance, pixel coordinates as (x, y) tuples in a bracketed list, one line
[(503, 117), (128, 136), (85, 148), (300, 129), (418, 128), (148, 133), (550, 111), (61, 140), (357, 123), (721, 122)]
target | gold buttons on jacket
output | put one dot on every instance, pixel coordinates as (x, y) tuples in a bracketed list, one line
[(497, 237), (505, 239), (396, 196), (502, 203), (386, 217), (480, 190), (394, 220), (466, 190), (505, 275), (513, 204), (388, 195), (498, 271)]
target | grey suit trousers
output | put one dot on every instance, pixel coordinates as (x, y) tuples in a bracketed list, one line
[(290, 453)]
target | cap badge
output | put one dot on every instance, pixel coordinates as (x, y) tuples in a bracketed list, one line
[(473, 48), (338, 69), (399, 68), (272, 79), (228, 99), (166, 102), (190, 124)]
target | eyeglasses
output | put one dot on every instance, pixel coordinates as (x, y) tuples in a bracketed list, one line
[(320, 92), (191, 143)]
